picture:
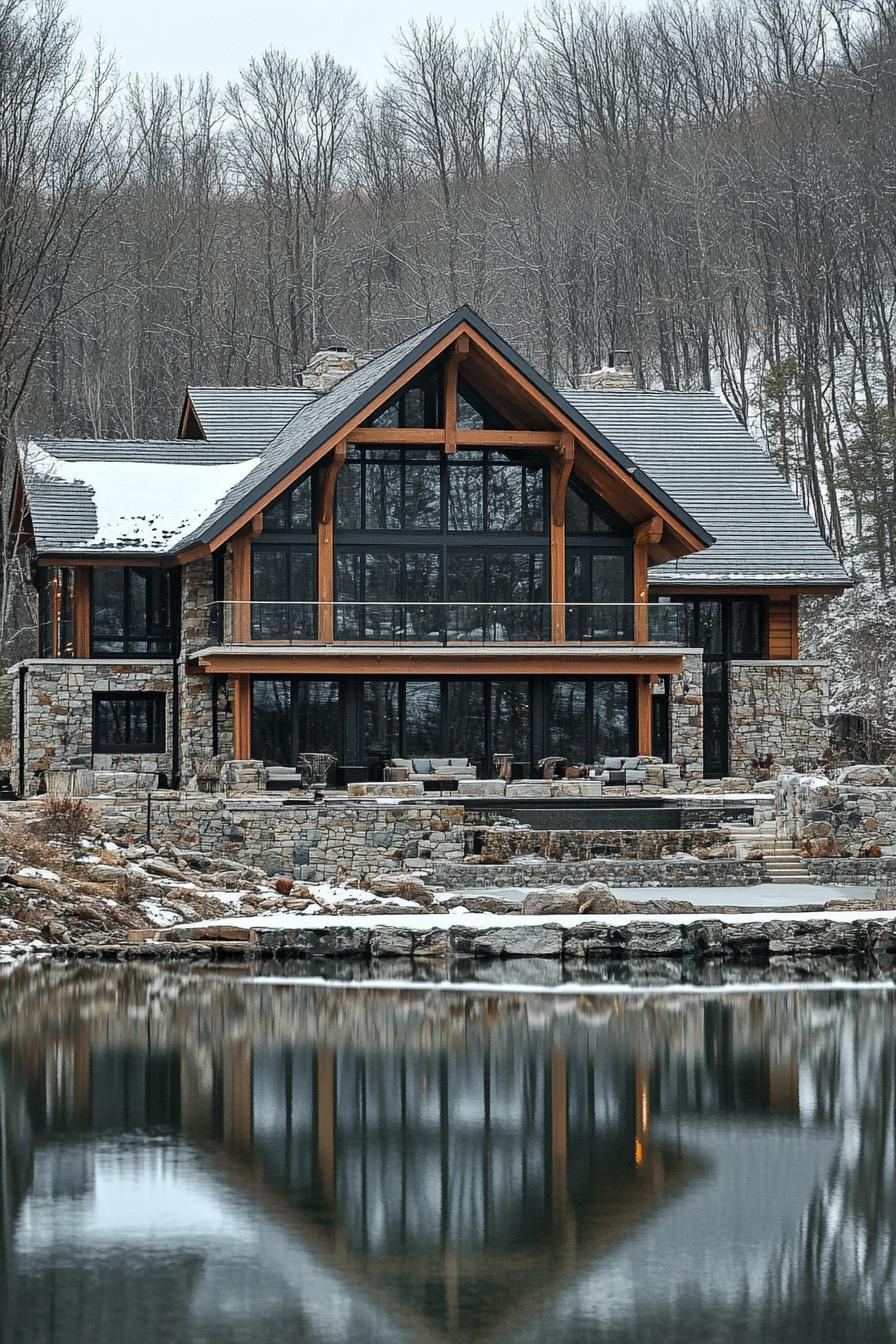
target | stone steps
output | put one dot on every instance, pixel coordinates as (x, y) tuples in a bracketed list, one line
[(781, 860)]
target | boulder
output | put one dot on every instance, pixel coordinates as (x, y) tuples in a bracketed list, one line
[(548, 903), (408, 888), (868, 776), (596, 898), (524, 940)]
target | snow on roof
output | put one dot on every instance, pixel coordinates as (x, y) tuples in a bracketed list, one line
[(145, 502)]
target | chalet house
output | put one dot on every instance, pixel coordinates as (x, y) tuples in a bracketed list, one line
[(433, 553)]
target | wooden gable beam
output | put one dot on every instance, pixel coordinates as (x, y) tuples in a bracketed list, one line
[(616, 480)]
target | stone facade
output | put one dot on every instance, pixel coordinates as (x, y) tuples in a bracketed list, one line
[(677, 871), (206, 728), (778, 716), (58, 727), (686, 716)]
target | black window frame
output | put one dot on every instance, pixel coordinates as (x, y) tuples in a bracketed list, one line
[(165, 639), (156, 746)]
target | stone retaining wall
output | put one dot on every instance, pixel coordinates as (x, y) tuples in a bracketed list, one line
[(778, 716), (59, 713), (615, 872), (846, 818), (326, 841), (319, 843), (505, 842)]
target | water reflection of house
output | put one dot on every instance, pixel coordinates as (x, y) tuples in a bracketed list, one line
[(441, 1189)]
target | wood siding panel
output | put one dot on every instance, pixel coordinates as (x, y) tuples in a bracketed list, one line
[(781, 631)]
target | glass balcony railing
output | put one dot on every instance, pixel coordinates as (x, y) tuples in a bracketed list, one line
[(447, 623)]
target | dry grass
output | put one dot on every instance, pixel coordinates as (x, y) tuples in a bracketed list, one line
[(67, 819)]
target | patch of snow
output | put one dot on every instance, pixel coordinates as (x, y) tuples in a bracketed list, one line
[(158, 914), (46, 873), (140, 505)]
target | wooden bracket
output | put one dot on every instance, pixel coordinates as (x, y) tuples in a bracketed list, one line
[(650, 532), (327, 493), (561, 470), (459, 351)]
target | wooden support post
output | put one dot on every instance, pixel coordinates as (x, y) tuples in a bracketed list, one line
[(561, 469), (644, 716), (326, 550), (459, 351), (794, 627), (81, 612), (646, 534), (241, 551), (55, 609), (242, 718)]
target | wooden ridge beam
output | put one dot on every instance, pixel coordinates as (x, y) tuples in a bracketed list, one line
[(459, 351), (466, 438)]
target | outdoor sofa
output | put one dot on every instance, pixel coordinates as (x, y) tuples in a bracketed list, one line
[(421, 768)]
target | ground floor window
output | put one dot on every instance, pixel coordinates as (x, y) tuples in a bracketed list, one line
[(364, 722), (126, 722)]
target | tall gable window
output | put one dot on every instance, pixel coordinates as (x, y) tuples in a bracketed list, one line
[(417, 406), (284, 567), (598, 569), (133, 611)]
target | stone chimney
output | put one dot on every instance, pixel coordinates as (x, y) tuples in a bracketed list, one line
[(326, 368), (617, 375)]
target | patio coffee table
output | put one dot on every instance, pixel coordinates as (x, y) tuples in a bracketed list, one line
[(440, 783)]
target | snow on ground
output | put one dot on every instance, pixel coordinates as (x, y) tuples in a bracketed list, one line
[(46, 874), (291, 920), (156, 913)]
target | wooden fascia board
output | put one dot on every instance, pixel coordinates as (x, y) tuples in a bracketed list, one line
[(399, 664), (743, 590), (106, 561), (189, 410)]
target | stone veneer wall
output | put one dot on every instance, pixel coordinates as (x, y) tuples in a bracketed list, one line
[(829, 819), (59, 712), (197, 688), (778, 716), (686, 716)]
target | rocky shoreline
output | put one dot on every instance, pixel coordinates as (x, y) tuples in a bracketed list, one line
[(468, 938)]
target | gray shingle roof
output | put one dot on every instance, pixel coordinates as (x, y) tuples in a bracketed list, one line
[(250, 415), (135, 497), (323, 418), (693, 446)]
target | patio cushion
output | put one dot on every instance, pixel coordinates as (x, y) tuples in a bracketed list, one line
[(613, 762), (440, 763), (456, 761), (422, 765), (401, 762)]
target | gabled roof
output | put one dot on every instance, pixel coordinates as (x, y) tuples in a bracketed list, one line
[(323, 419), (249, 415), (134, 497), (693, 446)]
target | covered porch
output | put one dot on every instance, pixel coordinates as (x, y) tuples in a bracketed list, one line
[(497, 712)]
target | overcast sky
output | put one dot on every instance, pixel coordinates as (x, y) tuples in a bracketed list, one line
[(188, 37)]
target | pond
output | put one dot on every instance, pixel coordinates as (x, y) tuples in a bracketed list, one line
[(223, 1157)]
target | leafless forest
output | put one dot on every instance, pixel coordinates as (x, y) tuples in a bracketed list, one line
[(712, 185)]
